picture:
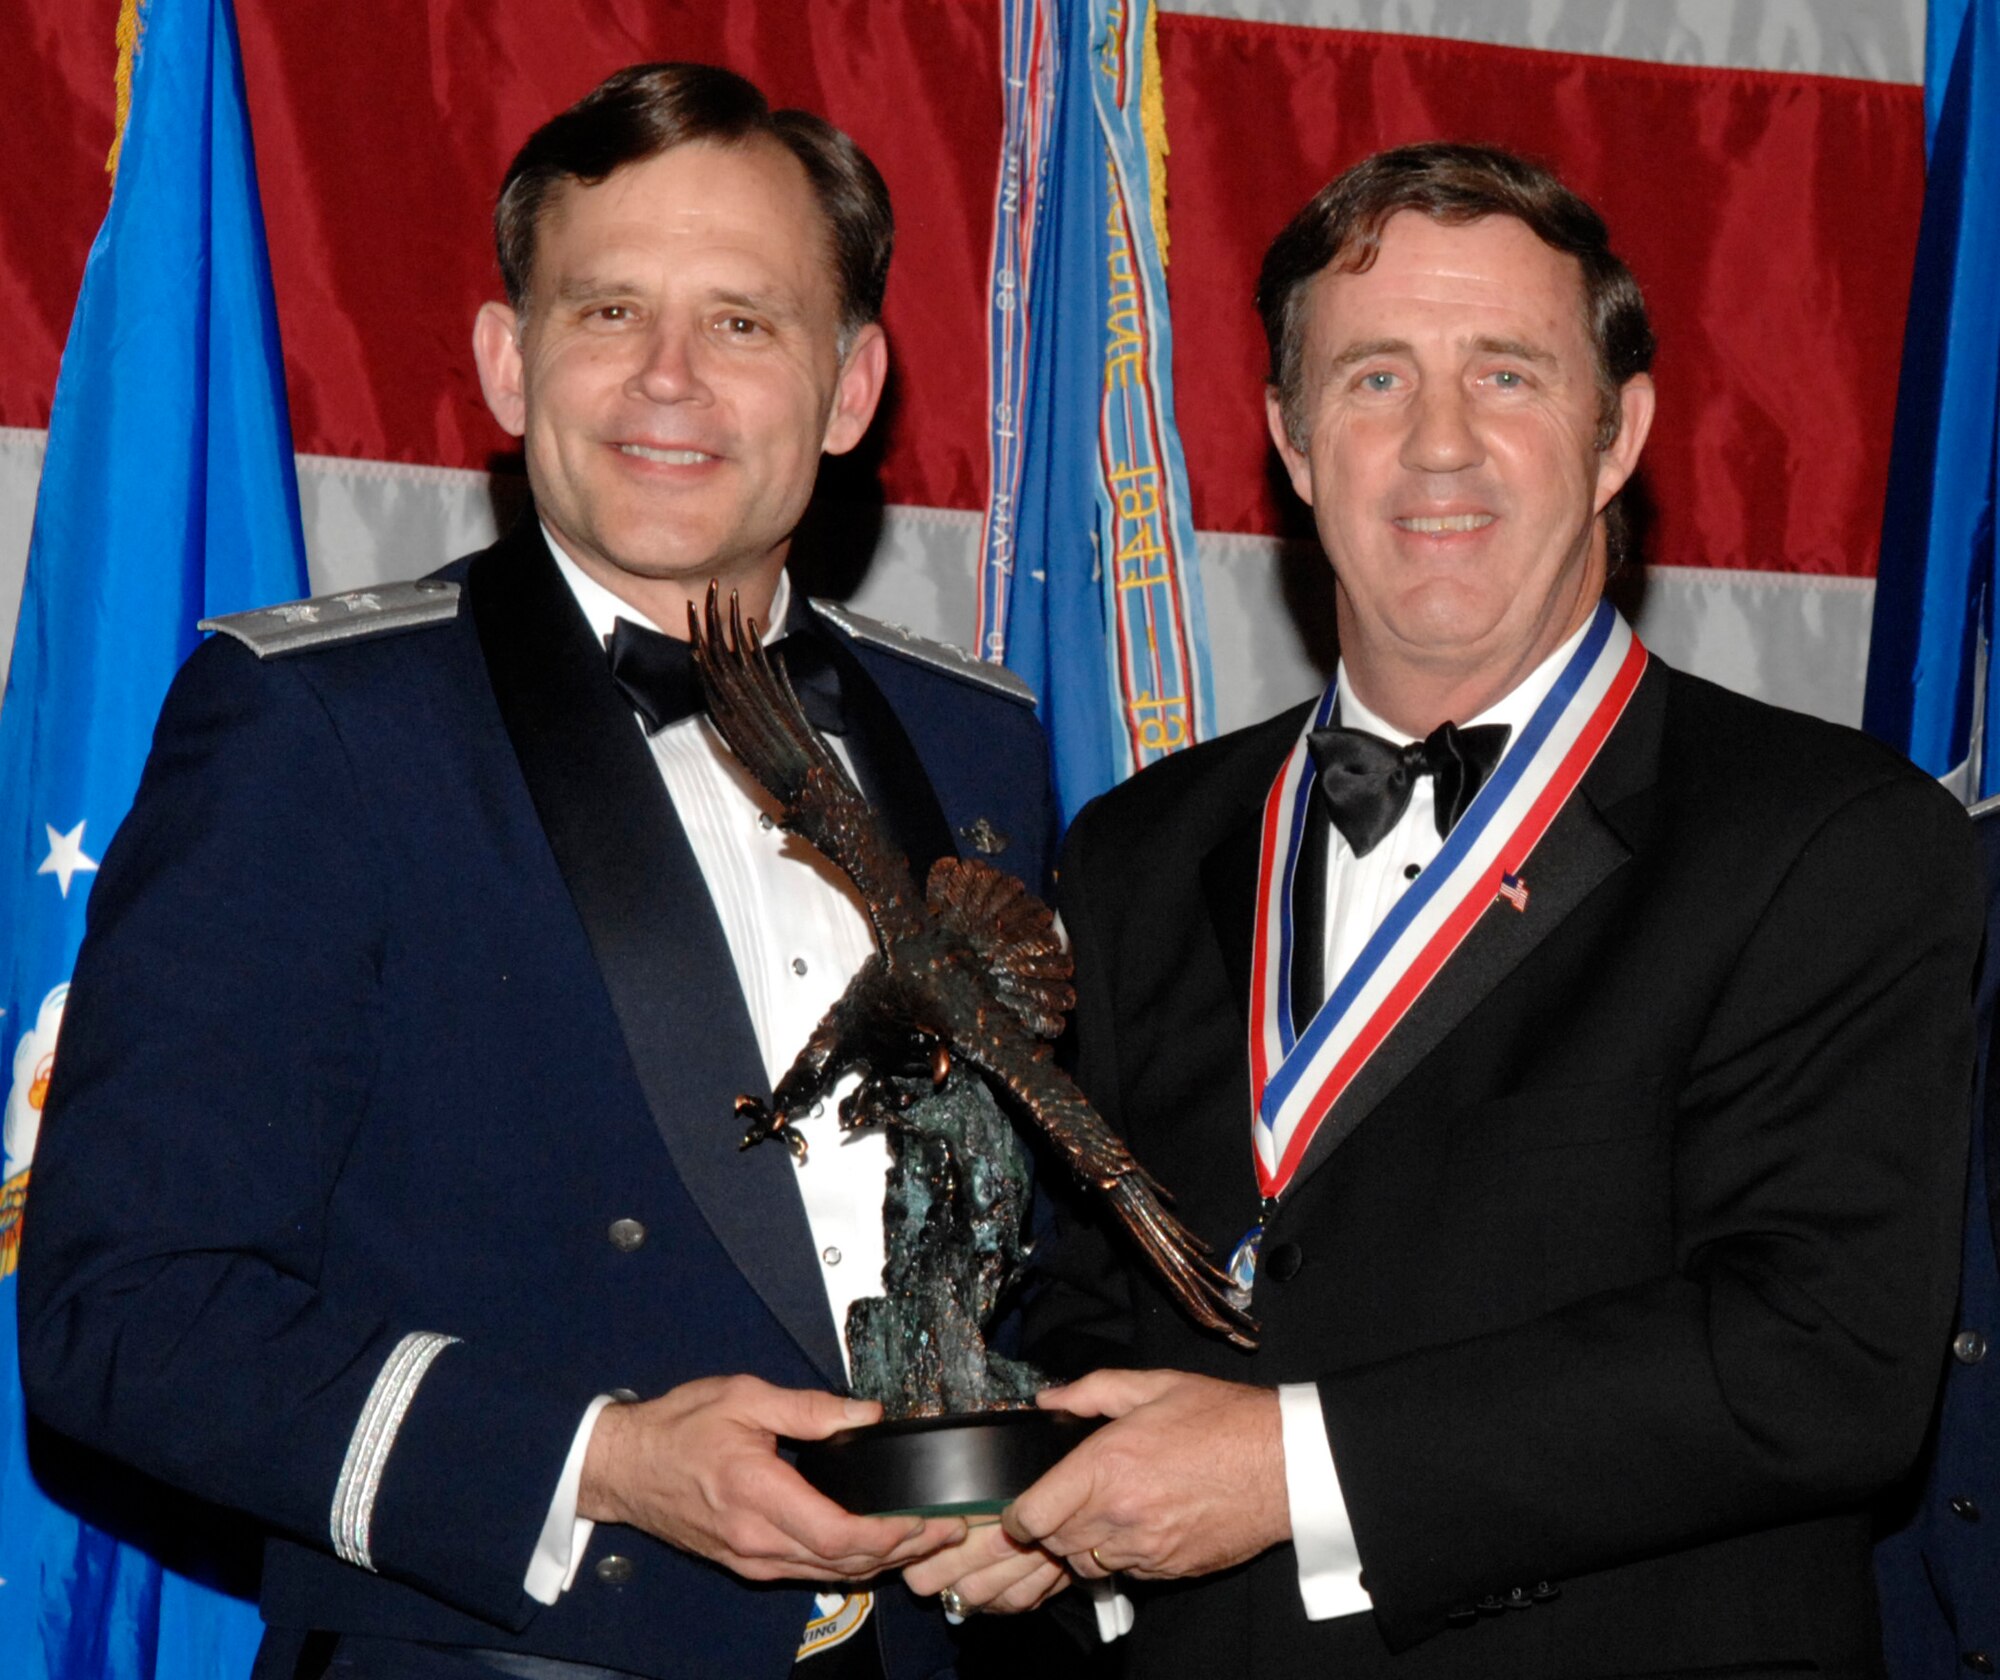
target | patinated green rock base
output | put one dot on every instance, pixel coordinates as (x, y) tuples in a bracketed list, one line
[(954, 1216)]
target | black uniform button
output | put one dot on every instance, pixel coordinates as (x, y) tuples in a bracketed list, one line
[(614, 1571), (1963, 1507), (626, 1234), (1518, 1599), (626, 1396), (1491, 1605), (1284, 1263), (1968, 1347), (1978, 1661), (1543, 1591)]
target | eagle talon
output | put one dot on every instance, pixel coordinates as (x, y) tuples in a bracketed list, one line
[(868, 1104), (764, 1124)]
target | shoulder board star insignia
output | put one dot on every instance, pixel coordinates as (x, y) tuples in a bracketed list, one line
[(921, 650), (353, 615)]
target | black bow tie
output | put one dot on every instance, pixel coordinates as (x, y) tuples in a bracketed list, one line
[(658, 676), (1367, 780)]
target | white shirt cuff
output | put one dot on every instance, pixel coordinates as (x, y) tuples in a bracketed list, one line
[(1115, 1614), (559, 1552), (1322, 1537)]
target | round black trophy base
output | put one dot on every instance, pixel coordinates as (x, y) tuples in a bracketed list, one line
[(970, 1464)]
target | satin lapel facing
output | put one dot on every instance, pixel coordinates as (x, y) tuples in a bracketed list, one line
[(1580, 849), (1577, 853), (645, 907), (1229, 869)]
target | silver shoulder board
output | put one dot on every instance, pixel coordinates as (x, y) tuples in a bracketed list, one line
[(347, 617), (939, 656)]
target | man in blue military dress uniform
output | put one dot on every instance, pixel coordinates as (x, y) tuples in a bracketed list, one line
[(389, 1191), (1939, 1570)]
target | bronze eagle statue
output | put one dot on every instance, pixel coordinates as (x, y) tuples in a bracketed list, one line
[(971, 969)]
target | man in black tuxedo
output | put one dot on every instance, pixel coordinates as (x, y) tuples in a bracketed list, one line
[(390, 1190), (1593, 1170)]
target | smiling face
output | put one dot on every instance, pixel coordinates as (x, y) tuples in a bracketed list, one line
[(676, 372), (1449, 452)]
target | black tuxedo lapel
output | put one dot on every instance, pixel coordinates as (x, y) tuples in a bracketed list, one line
[(1592, 836), (1580, 849), (1229, 880), (640, 894), (1308, 976), (1229, 869)]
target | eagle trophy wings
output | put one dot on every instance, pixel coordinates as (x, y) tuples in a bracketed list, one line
[(972, 968)]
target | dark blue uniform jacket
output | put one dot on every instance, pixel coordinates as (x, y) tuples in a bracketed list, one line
[(1940, 1570)]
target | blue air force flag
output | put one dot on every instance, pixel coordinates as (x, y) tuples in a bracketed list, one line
[(167, 495)]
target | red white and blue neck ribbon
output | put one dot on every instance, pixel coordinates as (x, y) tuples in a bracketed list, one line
[(1296, 1078)]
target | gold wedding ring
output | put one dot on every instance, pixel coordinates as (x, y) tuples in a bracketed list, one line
[(1094, 1558)]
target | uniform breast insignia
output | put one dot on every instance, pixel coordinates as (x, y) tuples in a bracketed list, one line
[(921, 650), (838, 1618), (983, 837), (349, 616)]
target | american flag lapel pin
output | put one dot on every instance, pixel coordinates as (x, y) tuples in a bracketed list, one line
[(1515, 891)]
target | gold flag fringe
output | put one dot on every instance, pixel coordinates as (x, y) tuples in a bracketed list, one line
[(129, 28), (1153, 114)]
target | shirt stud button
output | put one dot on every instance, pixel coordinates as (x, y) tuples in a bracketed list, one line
[(1411, 871), (766, 820), (830, 1255), (798, 965), (626, 1234)]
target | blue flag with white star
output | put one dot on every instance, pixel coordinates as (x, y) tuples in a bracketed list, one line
[(167, 494)]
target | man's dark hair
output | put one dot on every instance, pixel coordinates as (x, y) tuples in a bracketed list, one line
[(640, 112), (1453, 184)]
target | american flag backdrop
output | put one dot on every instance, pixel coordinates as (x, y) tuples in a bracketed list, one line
[(1761, 163)]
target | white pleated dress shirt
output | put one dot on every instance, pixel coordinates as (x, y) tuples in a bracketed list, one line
[(1360, 893), (797, 933)]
